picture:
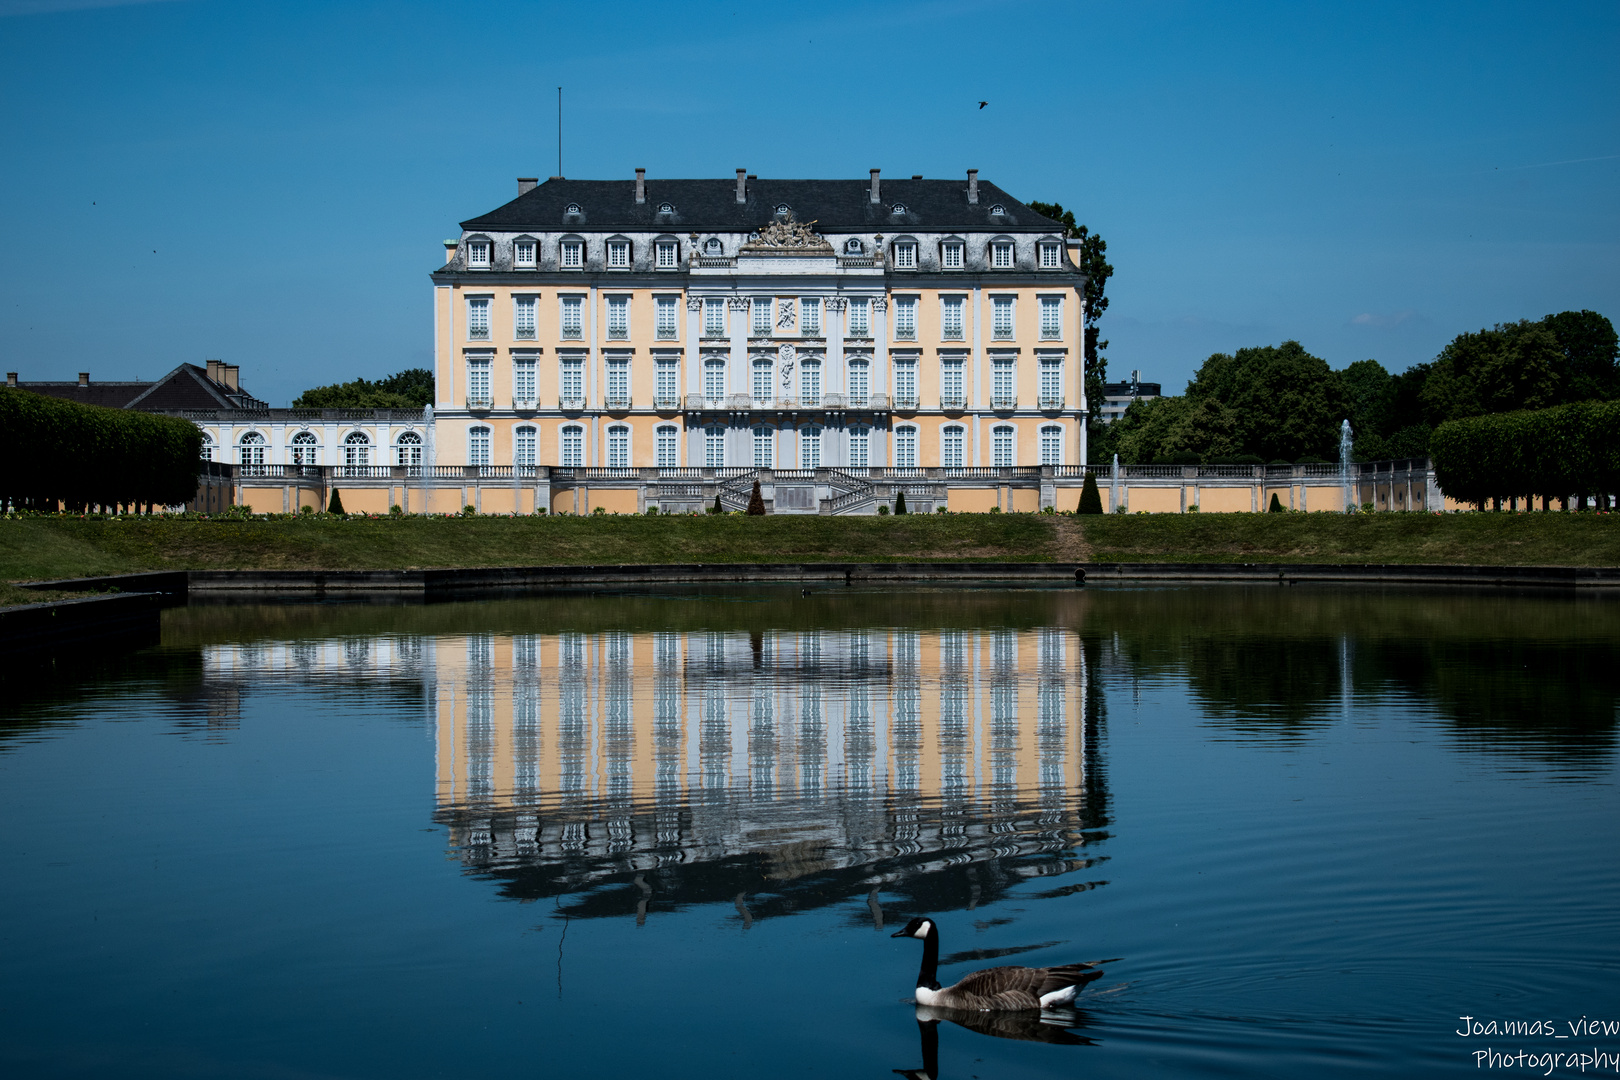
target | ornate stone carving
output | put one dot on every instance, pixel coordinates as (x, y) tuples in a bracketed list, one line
[(784, 232), (786, 314), (880, 304), (694, 303), (737, 303), (835, 303), (786, 353)]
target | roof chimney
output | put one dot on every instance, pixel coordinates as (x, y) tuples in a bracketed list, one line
[(450, 250), (84, 378), (742, 185), (11, 379), (641, 186), (973, 187), (213, 370), (526, 184), (875, 196), (230, 375)]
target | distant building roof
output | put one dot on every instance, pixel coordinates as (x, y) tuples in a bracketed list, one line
[(1124, 389), (186, 387)]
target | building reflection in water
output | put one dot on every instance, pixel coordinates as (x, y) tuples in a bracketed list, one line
[(632, 770)]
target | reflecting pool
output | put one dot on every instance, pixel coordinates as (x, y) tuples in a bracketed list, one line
[(1309, 830)]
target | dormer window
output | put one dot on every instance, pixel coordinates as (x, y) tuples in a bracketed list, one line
[(668, 252), (478, 254), (998, 210), (905, 255), (950, 255), (898, 208), (1001, 255), (572, 209), (571, 254), (523, 254), (1051, 258), (666, 208), (713, 247), (618, 254), (852, 246), (783, 210)]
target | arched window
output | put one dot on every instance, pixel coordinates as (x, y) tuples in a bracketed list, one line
[(356, 450), (573, 446), (306, 449), (250, 449), (762, 380), (207, 452), (905, 447), (523, 440), (860, 383), (668, 446), (852, 246), (1002, 440), (408, 450), (478, 446), (860, 439), (714, 447), (618, 447), (1051, 445), (713, 248), (810, 447), (714, 379), (764, 448), (951, 447), (810, 384)]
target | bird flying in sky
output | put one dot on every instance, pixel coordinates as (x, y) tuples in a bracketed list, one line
[(982, 104)]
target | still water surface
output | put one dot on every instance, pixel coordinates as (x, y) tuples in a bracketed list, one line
[(672, 833)]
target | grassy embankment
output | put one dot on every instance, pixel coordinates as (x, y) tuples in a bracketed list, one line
[(44, 548)]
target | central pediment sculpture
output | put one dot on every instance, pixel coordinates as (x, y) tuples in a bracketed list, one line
[(784, 233)]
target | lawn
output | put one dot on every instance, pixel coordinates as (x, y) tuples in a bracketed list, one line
[(37, 548)]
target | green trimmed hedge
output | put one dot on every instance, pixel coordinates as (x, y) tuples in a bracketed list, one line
[(1568, 450), (60, 452)]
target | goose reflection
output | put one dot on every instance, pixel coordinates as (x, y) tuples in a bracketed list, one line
[(1055, 1026)]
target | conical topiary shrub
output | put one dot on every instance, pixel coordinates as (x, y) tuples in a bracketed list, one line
[(335, 506), (900, 503), (1090, 497), (1276, 506), (756, 502), (717, 508)]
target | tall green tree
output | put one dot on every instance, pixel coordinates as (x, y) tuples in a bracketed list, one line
[(408, 389), (1288, 403), (1094, 264), (1161, 430)]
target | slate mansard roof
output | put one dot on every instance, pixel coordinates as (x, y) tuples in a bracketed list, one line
[(711, 205)]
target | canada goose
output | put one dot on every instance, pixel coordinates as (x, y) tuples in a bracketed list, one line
[(1006, 989)]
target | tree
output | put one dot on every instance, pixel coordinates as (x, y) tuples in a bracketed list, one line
[(1276, 506), (717, 508), (900, 502), (1288, 404), (1589, 350), (1159, 429), (335, 506), (408, 389), (1090, 497), (1094, 264), (756, 502)]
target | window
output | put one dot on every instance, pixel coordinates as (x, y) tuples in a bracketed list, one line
[(762, 315), (905, 318), (573, 446), (251, 449), (998, 210), (713, 248), (1051, 258), (714, 318), (618, 447), (306, 449), (618, 382), (810, 384), (859, 321), (951, 448), (523, 308), (810, 447), (571, 254), (714, 379), (764, 448), (951, 393), (852, 246), (859, 442), (905, 383), (762, 380), (1003, 440), (618, 254), (207, 452), (950, 255), (523, 447), (478, 254), (667, 251), (668, 447), (1051, 382), (573, 317), (407, 451), (1001, 255), (905, 255), (950, 318), (478, 394), (1051, 445), (667, 384), (523, 254), (810, 316), (478, 318), (714, 447), (905, 448), (356, 450), (1003, 387), (664, 308), (572, 210), (478, 446), (1051, 317), (859, 383), (1001, 322), (618, 318), (524, 390), (573, 381)]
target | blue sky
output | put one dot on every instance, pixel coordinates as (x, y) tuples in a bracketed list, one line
[(269, 183)]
